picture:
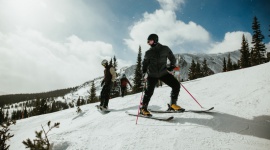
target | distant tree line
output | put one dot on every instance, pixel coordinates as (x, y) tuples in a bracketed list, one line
[(198, 70), (40, 106), (228, 65), (32, 108), (255, 55), (16, 98)]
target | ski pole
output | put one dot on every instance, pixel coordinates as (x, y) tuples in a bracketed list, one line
[(140, 103), (191, 95)]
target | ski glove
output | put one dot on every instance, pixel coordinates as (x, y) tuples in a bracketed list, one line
[(171, 67)]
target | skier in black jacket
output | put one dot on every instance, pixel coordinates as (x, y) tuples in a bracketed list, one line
[(154, 69), (106, 84)]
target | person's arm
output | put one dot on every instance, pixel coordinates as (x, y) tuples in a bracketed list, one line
[(171, 57), (145, 63), (113, 73)]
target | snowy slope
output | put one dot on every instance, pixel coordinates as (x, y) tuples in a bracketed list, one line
[(241, 119)]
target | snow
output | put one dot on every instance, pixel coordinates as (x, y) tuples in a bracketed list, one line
[(240, 120)]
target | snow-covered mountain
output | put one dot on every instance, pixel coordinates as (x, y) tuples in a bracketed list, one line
[(214, 62), (240, 120)]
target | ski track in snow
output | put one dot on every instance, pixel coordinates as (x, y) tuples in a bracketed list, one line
[(240, 120)]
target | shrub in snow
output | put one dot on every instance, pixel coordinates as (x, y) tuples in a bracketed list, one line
[(5, 135), (41, 142)]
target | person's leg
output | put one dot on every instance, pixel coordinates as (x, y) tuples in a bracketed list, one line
[(102, 95), (107, 93), (151, 83), (174, 84), (124, 91)]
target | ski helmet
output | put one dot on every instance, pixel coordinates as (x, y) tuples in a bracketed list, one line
[(153, 37), (104, 62)]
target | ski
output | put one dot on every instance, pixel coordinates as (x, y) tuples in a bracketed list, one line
[(152, 117), (102, 110), (200, 111), (188, 110)]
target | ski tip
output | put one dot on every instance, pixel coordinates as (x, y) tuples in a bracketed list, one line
[(170, 118), (208, 108)]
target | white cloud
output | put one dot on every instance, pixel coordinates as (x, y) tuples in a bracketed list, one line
[(178, 35), (172, 32), (58, 19), (30, 62), (232, 41)]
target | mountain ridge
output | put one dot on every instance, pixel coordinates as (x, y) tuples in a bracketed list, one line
[(214, 61)]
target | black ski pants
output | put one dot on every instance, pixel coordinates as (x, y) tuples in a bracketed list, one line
[(105, 94), (167, 79), (123, 90)]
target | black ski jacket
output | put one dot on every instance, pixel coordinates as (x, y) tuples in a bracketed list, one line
[(155, 61), (109, 75)]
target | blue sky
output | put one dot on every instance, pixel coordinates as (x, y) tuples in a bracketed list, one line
[(52, 44), (221, 16)]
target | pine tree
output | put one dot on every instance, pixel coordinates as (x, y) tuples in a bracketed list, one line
[(7, 115), (79, 101), (25, 112), (229, 63), (111, 62), (82, 102), (2, 115), (53, 107), (13, 115), (192, 71), (115, 64), (224, 65), (268, 56), (198, 72), (37, 107), (19, 114), (41, 142), (92, 97), (245, 55), (205, 69), (235, 66), (138, 73), (259, 49), (43, 106), (5, 135)]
